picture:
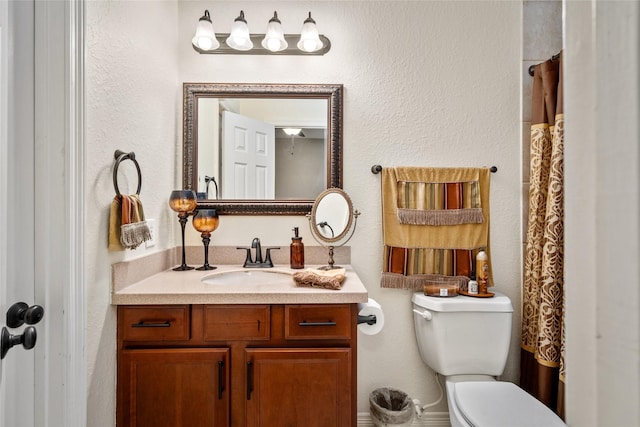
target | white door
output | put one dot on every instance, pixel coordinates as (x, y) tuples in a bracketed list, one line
[(17, 269), (41, 212), (248, 158)]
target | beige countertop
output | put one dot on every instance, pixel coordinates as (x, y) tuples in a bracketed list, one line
[(187, 287)]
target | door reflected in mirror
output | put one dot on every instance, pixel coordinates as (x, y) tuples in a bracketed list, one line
[(264, 149)]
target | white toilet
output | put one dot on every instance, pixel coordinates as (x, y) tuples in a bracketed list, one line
[(466, 339)]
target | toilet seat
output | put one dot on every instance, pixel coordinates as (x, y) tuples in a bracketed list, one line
[(497, 404)]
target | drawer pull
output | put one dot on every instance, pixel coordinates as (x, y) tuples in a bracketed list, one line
[(329, 323), (220, 379), (143, 324), (249, 379)]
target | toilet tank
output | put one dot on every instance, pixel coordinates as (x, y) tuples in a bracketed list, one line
[(463, 335)]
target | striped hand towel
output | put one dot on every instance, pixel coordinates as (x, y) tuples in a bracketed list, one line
[(434, 220)]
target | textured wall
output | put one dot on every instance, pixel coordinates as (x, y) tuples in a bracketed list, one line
[(131, 97), (426, 83)]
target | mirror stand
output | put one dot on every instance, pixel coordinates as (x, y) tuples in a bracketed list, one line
[(330, 263)]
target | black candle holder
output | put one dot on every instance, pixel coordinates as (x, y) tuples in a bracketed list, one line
[(206, 221), (183, 202)]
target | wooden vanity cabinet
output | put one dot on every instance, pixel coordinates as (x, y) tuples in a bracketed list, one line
[(298, 387), (174, 387), (162, 380), (237, 365)]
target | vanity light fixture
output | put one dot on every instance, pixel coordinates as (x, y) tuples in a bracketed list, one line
[(205, 37), (309, 37), (240, 39), (274, 39), (274, 42)]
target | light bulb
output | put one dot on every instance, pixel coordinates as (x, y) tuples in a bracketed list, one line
[(274, 37), (204, 43), (309, 37), (240, 39), (205, 37), (309, 45), (292, 131), (274, 45)]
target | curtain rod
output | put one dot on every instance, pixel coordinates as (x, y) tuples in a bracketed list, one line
[(532, 68), (376, 169)]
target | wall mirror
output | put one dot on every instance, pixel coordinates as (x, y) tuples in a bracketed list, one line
[(261, 149)]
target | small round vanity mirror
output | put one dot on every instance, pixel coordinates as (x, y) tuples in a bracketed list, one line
[(332, 220), (331, 215)]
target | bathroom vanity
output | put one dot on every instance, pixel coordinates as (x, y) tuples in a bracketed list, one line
[(256, 354), (243, 347)]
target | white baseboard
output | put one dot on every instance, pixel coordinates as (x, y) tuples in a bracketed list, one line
[(428, 419)]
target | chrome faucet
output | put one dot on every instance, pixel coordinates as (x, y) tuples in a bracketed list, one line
[(249, 261)]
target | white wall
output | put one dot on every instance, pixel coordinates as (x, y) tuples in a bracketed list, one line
[(300, 167), (426, 83), (132, 93), (208, 135)]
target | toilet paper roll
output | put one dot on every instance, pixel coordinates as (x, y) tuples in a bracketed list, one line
[(367, 309)]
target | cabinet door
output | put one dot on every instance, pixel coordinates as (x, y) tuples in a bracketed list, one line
[(308, 387), (173, 387)]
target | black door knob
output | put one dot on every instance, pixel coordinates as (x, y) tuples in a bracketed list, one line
[(20, 313), (7, 340)]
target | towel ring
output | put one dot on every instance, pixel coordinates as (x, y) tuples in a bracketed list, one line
[(120, 156)]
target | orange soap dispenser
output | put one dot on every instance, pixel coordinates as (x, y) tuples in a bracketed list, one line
[(297, 250)]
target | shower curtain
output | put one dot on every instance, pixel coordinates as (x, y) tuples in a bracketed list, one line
[(542, 345)]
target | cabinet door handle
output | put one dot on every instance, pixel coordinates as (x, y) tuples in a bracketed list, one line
[(143, 324), (329, 323), (220, 379), (249, 379)]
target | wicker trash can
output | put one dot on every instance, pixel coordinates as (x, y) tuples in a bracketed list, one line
[(391, 407)]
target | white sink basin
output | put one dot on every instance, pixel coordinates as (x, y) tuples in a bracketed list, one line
[(249, 277)]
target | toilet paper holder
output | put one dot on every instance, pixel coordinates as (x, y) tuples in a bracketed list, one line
[(369, 320), (370, 317)]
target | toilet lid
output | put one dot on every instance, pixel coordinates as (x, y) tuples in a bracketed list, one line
[(497, 404)]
